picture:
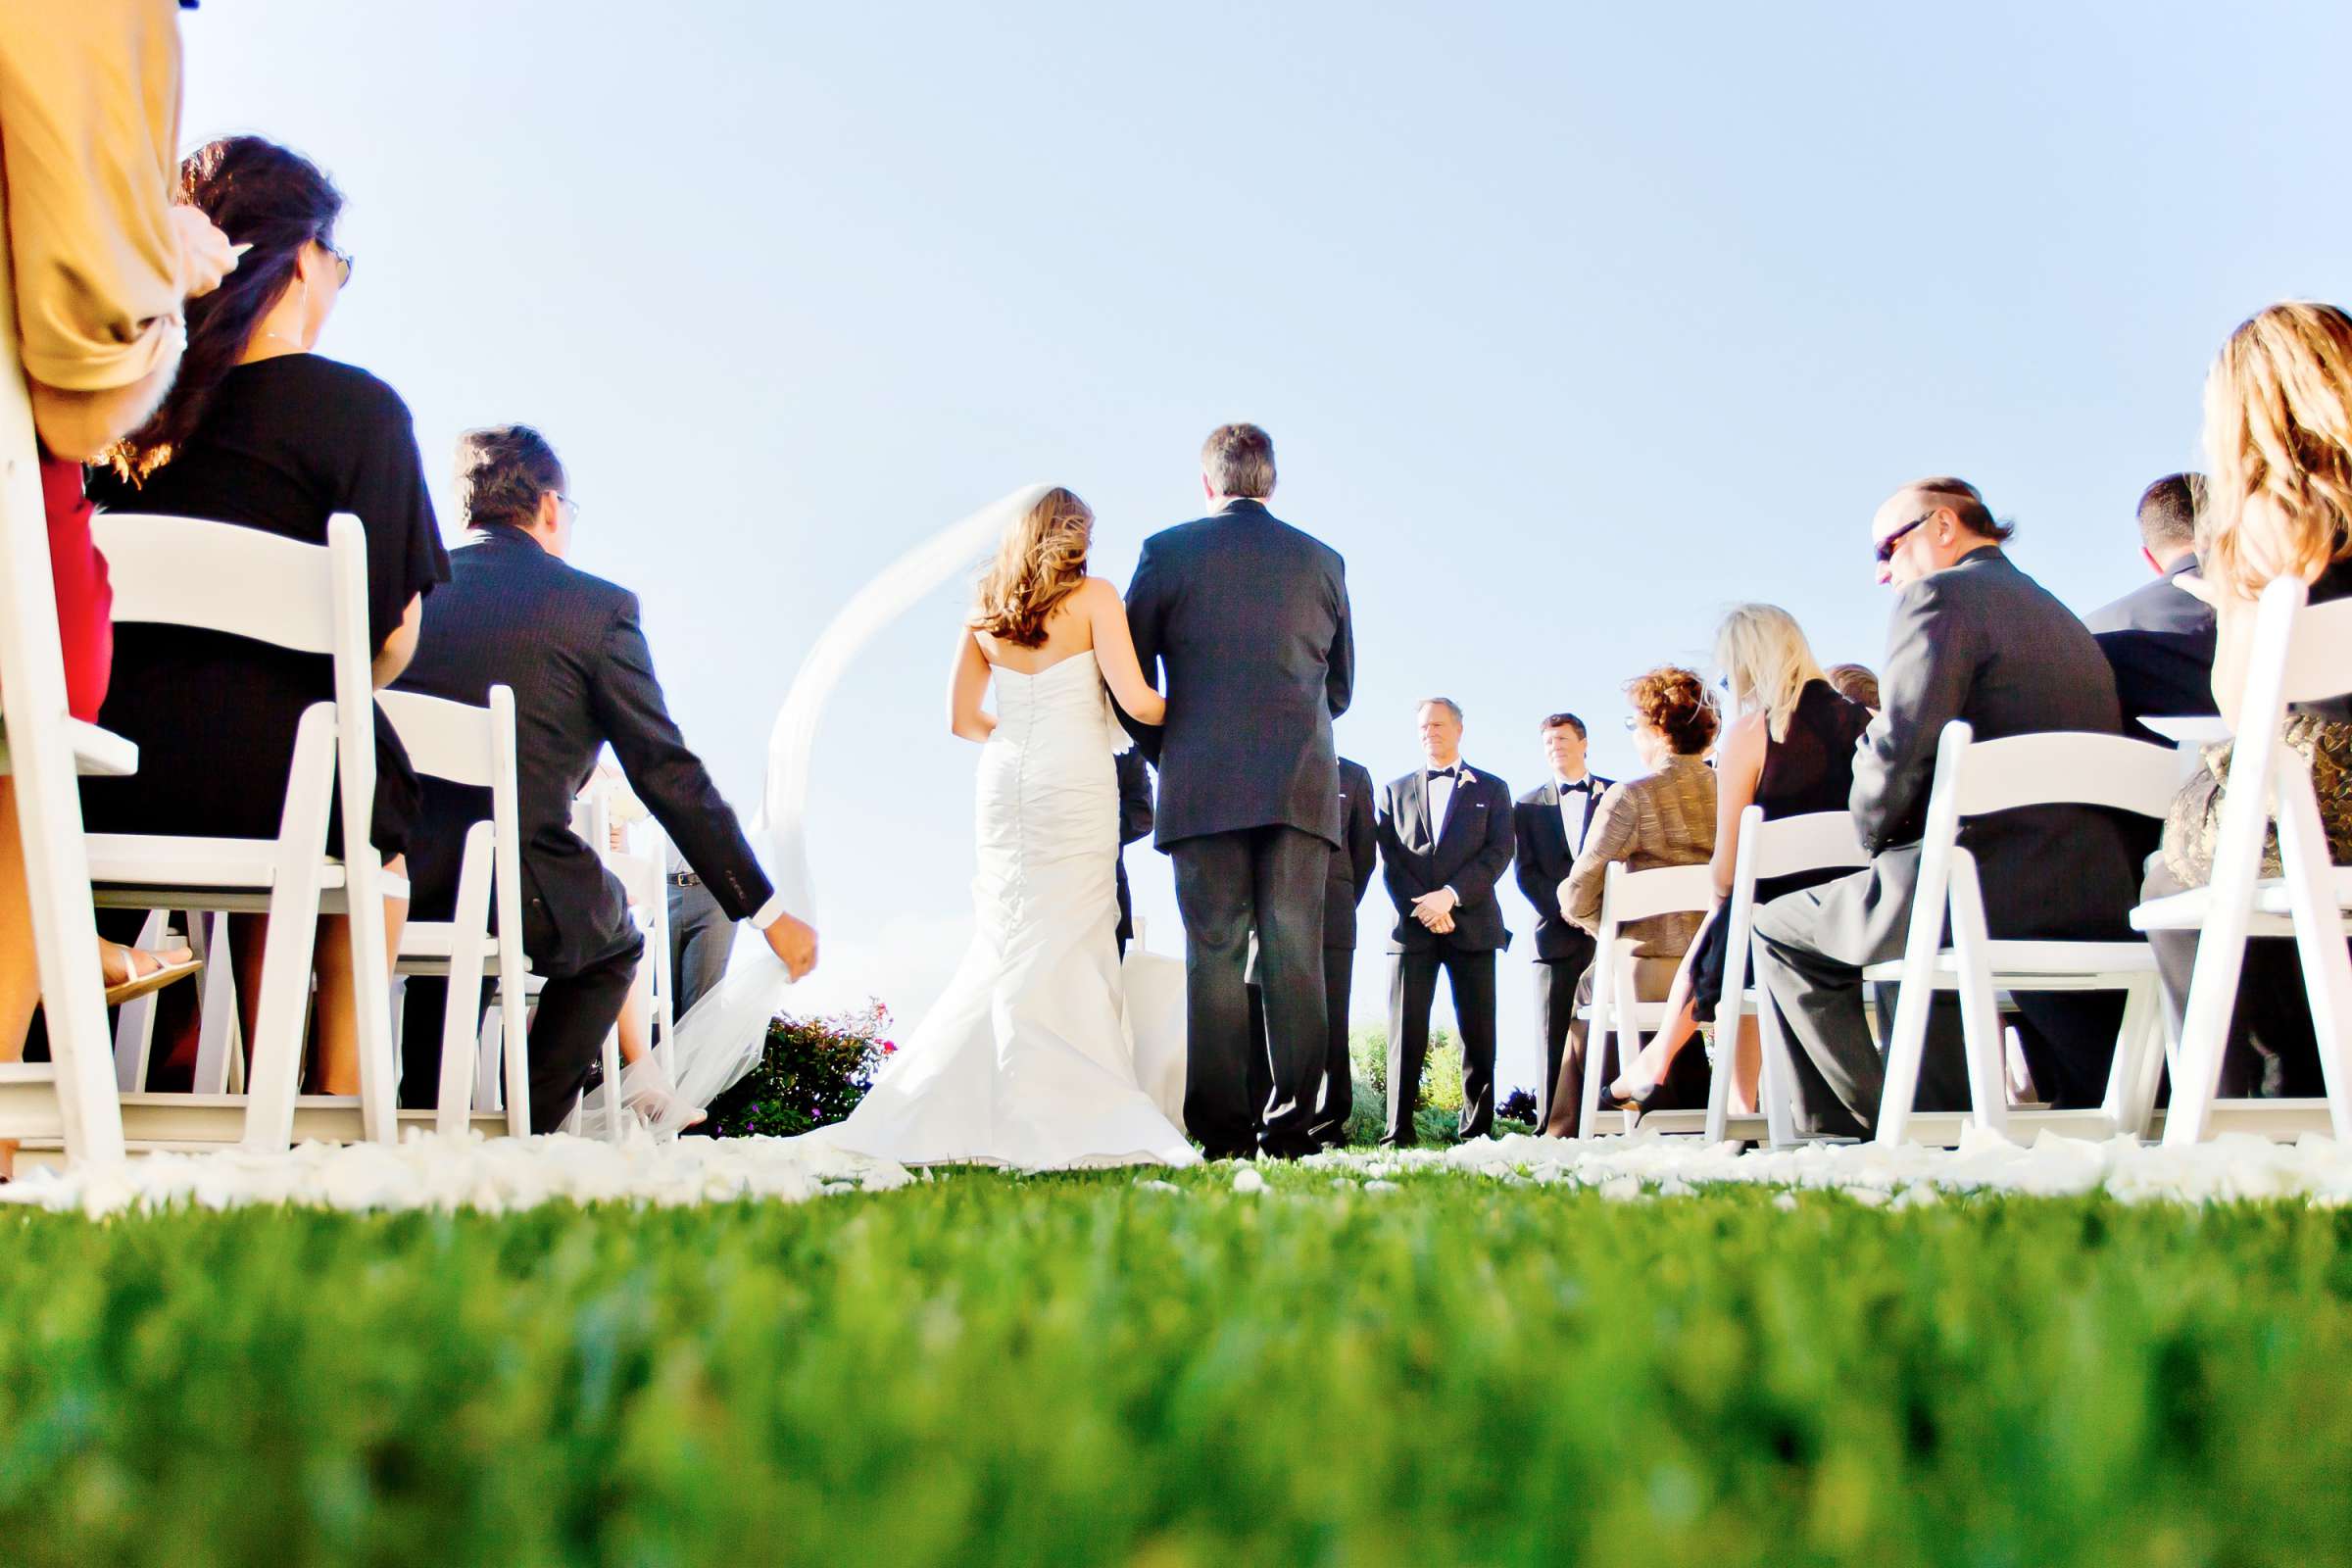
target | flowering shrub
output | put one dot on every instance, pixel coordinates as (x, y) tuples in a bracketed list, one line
[(812, 1073), (1518, 1105)]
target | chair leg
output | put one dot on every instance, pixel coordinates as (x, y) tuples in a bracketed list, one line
[(219, 1032), (1598, 1033), (1979, 1007), (2319, 938), (287, 951), (469, 943), (2139, 1057), (613, 1109)]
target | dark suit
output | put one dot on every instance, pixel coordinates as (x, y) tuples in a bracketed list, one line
[(1468, 853), (1983, 642), (1352, 866), (1135, 822), (1249, 618), (572, 647), (2159, 639), (1563, 950)]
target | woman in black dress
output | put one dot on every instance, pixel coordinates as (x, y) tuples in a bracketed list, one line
[(262, 433), (1791, 752)]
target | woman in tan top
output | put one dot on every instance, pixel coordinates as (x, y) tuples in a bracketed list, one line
[(1665, 818)]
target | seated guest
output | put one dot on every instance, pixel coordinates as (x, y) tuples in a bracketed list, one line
[(2279, 440), (1549, 827), (100, 261), (1664, 817), (2159, 638), (260, 432), (1855, 683), (1972, 638), (1445, 841), (1790, 751), (570, 647)]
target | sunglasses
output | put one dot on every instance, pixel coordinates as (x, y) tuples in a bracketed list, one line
[(1893, 541), (342, 261)]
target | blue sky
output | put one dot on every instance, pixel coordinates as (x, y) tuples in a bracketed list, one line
[(1572, 324)]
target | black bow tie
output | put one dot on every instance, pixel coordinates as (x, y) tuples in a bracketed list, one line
[(1435, 773), (1582, 784)]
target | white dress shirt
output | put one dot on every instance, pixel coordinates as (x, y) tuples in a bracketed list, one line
[(1440, 800)]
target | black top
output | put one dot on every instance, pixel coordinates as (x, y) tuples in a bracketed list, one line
[(1809, 770), (1812, 767), (285, 444)]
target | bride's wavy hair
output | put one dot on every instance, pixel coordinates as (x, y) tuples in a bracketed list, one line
[(1040, 563)]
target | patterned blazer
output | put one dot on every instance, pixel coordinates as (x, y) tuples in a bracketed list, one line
[(1662, 818)]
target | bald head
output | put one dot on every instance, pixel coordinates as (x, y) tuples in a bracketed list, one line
[(1928, 524)]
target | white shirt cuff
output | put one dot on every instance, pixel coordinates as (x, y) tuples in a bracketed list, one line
[(768, 913)]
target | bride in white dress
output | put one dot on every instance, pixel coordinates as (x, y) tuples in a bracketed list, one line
[(1026, 1060)]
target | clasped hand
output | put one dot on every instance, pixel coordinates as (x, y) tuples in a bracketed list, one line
[(1436, 910)]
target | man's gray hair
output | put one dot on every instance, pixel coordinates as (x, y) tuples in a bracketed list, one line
[(1447, 703), (1238, 459)]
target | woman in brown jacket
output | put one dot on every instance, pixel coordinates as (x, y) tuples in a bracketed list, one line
[(1665, 818)]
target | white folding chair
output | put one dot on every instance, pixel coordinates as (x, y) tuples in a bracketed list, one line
[(1627, 895), (1973, 778), (72, 1097), (190, 573), (1788, 846), (2301, 652), (473, 746)]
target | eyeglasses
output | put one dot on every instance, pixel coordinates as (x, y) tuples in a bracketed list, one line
[(562, 500), (342, 261), (1893, 541)]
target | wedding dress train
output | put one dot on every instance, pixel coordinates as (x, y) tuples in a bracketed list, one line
[(1026, 1060)]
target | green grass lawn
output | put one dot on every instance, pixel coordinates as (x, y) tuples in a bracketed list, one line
[(1077, 1369)]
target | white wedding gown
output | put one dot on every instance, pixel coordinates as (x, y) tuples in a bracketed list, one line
[(1026, 1059)]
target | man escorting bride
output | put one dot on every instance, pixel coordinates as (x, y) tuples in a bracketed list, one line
[(1026, 1059)]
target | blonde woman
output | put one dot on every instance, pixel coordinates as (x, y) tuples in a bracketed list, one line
[(2277, 503), (1026, 1060), (1791, 752)]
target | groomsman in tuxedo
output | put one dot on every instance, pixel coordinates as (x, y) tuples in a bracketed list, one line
[(1351, 866), (1549, 828), (569, 645), (1249, 617), (1445, 835)]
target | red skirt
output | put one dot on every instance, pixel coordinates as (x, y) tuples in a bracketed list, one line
[(85, 602)]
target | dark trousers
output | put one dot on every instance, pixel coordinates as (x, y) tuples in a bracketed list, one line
[(1412, 988), (701, 939), (2272, 1051), (575, 1013), (1270, 878), (1839, 1070), (1335, 1101), (1556, 1010)]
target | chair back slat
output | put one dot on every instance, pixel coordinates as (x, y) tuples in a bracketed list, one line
[(219, 577), (2068, 768), (1661, 890), (444, 740), (2319, 659), (1814, 841)]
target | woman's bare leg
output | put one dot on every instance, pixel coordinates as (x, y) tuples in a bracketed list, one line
[(1747, 1066), (336, 1020)]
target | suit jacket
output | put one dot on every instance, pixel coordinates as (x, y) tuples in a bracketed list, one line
[(1249, 618), (1355, 861), (2159, 640), (1661, 819), (572, 647), (1984, 642), (1541, 861), (1468, 853)]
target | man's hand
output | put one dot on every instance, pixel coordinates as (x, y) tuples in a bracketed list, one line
[(793, 940), (206, 256), (1432, 906)]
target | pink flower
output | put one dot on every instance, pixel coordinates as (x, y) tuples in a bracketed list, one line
[(888, 1047)]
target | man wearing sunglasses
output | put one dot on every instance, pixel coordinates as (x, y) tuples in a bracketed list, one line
[(1972, 638)]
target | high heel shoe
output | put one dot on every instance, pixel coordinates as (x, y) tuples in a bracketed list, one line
[(1616, 1098)]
